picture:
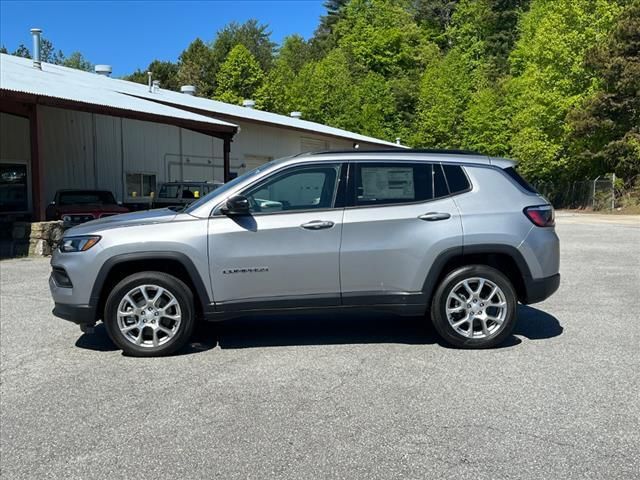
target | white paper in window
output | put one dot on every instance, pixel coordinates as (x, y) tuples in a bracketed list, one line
[(380, 183)]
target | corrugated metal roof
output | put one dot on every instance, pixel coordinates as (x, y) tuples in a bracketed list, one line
[(18, 75), (239, 112), (68, 83)]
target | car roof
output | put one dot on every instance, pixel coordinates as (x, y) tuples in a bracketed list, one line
[(430, 155)]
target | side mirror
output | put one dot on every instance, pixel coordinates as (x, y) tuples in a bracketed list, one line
[(236, 205)]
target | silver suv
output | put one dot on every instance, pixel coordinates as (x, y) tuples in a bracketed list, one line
[(454, 236)]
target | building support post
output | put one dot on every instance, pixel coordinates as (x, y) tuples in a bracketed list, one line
[(36, 166), (226, 159)]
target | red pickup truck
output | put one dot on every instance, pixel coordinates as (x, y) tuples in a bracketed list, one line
[(79, 206)]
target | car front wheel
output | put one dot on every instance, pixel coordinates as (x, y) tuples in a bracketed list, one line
[(150, 314), (474, 307)]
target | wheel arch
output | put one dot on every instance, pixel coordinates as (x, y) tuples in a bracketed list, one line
[(173, 263), (504, 258)]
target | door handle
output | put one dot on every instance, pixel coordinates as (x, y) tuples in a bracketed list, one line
[(317, 225), (434, 216)]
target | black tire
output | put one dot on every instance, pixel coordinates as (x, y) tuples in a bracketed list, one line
[(439, 305), (180, 292)]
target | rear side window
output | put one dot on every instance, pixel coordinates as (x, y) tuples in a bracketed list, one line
[(519, 180), (456, 179), (394, 183)]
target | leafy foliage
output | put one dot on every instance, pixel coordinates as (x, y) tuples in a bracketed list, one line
[(605, 128), (196, 68), (239, 77), (165, 72), (554, 84)]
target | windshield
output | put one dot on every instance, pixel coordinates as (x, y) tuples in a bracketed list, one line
[(228, 186), (86, 198)]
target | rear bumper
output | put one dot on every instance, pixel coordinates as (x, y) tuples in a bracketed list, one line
[(539, 289), (80, 314)]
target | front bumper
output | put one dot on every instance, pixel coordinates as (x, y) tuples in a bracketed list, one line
[(539, 289), (80, 314)]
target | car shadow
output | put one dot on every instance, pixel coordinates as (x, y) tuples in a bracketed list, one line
[(258, 331)]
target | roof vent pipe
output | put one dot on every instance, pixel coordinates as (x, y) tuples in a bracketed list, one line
[(36, 33), (248, 103), (295, 114), (104, 70), (188, 90), (149, 74), (398, 141)]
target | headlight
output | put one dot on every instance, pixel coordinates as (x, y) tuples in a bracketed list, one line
[(78, 244)]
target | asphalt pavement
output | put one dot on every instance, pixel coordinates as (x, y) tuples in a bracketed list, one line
[(368, 396)]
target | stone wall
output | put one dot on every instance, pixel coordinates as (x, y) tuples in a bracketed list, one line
[(41, 237)]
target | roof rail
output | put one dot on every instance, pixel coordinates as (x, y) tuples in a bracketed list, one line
[(441, 151)]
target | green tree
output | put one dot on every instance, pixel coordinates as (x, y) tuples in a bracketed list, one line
[(323, 39), (324, 91), (165, 72), (275, 93), (196, 67), (254, 36), (22, 51), (435, 17), (78, 61), (446, 89), (550, 78), (605, 128), (239, 77), (381, 36)]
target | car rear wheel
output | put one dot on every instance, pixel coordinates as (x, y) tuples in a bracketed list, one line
[(150, 314), (474, 307)]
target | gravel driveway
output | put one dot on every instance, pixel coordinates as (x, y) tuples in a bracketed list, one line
[(357, 396)]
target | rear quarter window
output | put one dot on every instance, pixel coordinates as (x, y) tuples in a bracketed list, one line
[(519, 180), (456, 179)]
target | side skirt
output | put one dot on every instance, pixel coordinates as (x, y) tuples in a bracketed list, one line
[(399, 303)]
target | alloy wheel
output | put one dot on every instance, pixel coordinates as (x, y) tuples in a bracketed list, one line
[(149, 316), (476, 308)]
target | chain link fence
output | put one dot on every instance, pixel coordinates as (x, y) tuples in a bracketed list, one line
[(602, 193)]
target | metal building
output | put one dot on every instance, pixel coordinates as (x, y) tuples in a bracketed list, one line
[(66, 128)]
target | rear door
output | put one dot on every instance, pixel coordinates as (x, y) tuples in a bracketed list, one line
[(286, 253), (399, 218)]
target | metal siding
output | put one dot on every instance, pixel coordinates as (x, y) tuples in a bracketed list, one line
[(66, 150), (109, 154), (148, 147), (199, 159), (14, 138)]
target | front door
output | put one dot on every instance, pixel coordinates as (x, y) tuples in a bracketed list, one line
[(286, 253)]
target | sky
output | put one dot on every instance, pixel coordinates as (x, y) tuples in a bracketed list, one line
[(130, 34)]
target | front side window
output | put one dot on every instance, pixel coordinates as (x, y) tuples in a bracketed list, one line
[(302, 188)]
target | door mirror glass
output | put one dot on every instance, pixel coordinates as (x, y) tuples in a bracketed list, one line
[(237, 205)]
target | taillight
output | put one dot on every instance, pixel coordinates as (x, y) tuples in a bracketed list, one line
[(541, 215)]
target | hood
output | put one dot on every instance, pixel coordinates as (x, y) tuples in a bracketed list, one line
[(70, 209), (160, 215)]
